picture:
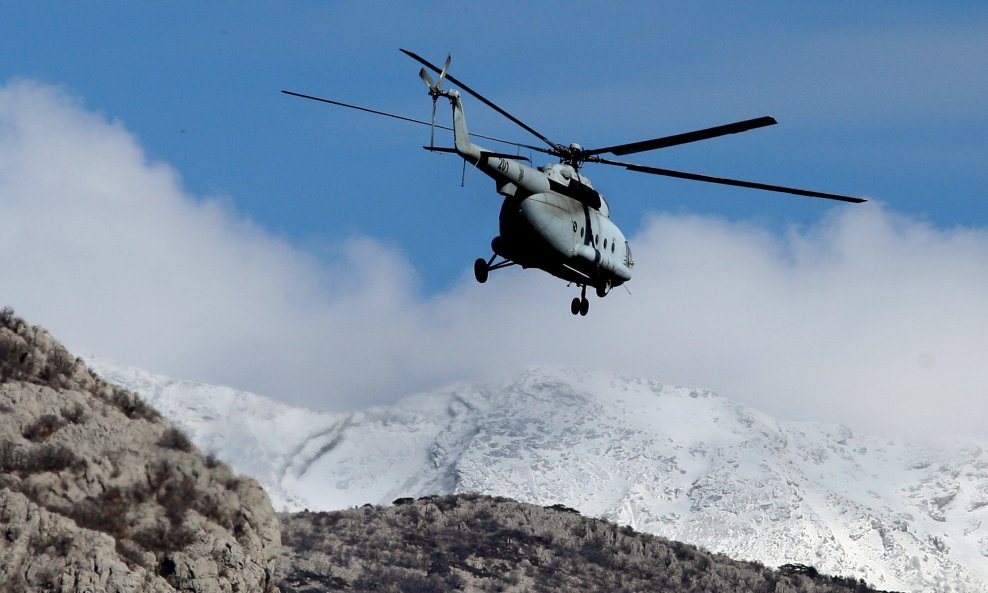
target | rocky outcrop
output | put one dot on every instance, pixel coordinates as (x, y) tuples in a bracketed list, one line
[(98, 492), (469, 542)]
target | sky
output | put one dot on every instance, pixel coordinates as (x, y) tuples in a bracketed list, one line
[(163, 205)]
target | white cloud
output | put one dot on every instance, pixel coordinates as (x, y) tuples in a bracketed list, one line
[(870, 318)]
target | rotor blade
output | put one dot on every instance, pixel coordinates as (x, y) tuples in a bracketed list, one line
[(483, 154), (483, 99), (734, 182), (442, 75), (413, 120), (686, 137), (427, 79), (359, 108)]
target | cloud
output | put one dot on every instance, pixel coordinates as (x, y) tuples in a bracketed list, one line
[(868, 318)]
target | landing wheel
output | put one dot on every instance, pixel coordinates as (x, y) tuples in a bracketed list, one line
[(481, 270), (580, 305)]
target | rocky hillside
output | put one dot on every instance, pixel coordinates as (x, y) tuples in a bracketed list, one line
[(98, 492), (479, 543)]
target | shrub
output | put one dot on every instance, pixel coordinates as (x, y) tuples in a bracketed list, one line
[(76, 413), (131, 552), (13, 358), (51, 458), (7, 317), (214, 509), (53, 544), (161, 538), (10, 457), (43, 428), (59, 366), (132, 406), (106, 513), (174, 438), (177, 497)]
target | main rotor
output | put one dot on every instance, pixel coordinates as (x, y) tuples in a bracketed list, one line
[(575, 155)]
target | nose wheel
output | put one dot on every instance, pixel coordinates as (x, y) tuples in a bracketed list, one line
[(580, 305)]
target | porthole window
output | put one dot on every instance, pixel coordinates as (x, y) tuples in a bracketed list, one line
[(605, 243), (612, 246), (582, 231)]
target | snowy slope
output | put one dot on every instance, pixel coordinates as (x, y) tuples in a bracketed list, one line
[(686, 464)]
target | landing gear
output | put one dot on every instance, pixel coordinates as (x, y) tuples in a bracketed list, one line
[(481, 270), (580, 305), (603, 289)]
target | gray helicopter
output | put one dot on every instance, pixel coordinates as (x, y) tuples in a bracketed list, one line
[(552, 218)]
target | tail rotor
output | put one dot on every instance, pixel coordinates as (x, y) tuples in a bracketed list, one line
[(435, 90)]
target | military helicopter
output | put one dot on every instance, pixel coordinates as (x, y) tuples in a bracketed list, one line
[(552, 218)]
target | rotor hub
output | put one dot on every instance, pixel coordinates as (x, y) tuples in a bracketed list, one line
[(572, 155)]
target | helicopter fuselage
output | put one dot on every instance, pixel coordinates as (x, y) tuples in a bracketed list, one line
[(562, 236), (552, 218)]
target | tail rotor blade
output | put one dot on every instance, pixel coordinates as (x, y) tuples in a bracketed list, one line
[(427, 79), (442, 75)]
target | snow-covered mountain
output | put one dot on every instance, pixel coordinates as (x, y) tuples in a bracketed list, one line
[(682, 463)]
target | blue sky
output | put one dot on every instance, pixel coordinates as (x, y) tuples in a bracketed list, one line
[(879, 99), (357, 244)]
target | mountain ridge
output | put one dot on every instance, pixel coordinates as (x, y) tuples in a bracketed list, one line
[(681, 463), (471, 542)]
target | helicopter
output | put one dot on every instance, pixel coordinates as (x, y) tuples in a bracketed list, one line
[(552, 218)]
